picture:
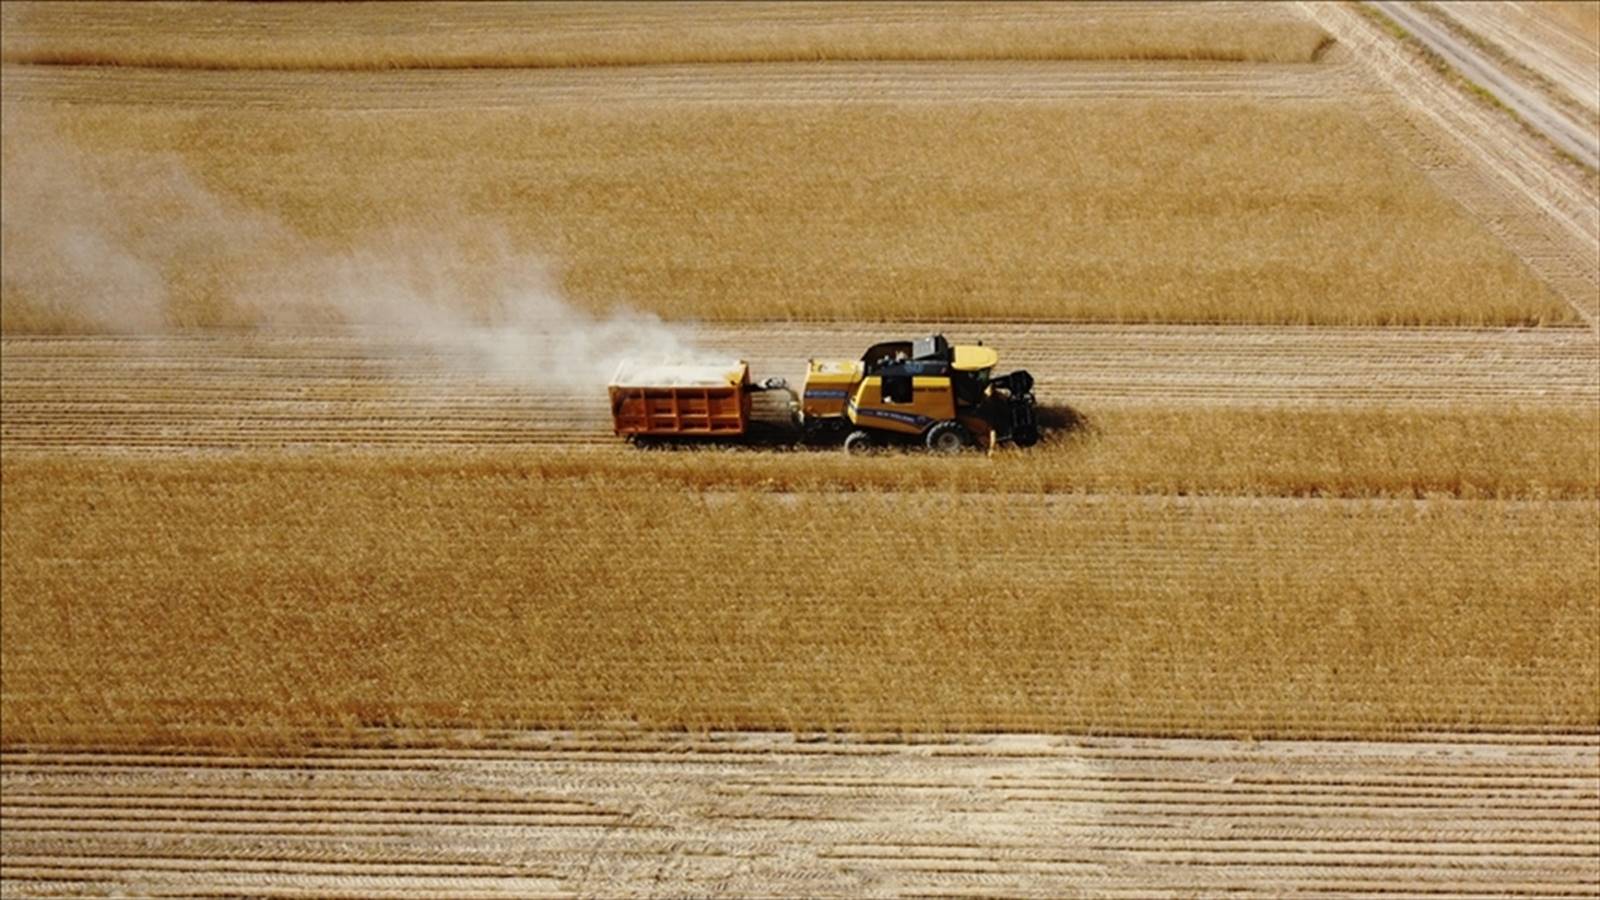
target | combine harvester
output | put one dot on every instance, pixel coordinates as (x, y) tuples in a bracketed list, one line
[(926, 392)]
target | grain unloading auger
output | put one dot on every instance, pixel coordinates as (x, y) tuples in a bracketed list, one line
[(928, 391)]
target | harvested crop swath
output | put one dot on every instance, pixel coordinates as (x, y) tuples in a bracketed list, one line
[(1094, 366), (273, 598), (478, 35), (1287, 413), (534, 814), (1126, 210)]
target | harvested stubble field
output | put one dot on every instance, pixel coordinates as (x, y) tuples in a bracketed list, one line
[(1209, 366), (760, 815), (1203, 411), (237, 567), (1553, 47)]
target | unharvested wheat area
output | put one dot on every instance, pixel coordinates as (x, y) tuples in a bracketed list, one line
[(323, 571)]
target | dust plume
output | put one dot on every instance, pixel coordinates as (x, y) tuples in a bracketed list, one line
[(120, 241), (132, 242), (462, 293)]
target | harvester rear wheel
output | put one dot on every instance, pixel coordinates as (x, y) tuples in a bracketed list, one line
[(948, 437), (860, 441)]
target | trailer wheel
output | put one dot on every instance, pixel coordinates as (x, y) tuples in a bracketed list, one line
[(948, 437), (860, 441)]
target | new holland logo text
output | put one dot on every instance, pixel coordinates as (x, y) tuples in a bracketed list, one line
[(904, 418)]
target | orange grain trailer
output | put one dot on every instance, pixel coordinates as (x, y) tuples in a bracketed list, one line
[(681, 400)]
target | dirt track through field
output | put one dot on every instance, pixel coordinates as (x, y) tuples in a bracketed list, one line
[(553, 814), (1568, 64), (252, 390), (1533, 107)]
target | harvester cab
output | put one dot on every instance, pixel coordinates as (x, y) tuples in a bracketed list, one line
[(929, 391)]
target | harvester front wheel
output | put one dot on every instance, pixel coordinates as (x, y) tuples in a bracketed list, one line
[(949, 437), (860, 441)]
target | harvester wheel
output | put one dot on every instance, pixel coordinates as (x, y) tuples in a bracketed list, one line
[(949, 437), (860, 441), (1025, 437)]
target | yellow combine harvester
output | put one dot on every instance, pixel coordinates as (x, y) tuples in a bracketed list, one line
[(924, 391), (945, 397)]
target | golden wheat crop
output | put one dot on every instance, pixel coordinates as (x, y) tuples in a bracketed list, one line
[(1395, 452), (1271, 451), (1152, 570), (1104, 210), (144, 599), (479, 35)]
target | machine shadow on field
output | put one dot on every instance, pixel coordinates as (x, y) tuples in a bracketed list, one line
[(1058, 421)]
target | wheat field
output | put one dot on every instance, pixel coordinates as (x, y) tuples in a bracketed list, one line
[(1393, 453), (1107, 210), (270, 599), (1271, 452), (485, 35), (322, 572)]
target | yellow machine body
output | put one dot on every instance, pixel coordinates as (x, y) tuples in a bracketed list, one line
[(932, 400), (943, 396), (973, 358), (830, 383), (893, 390)]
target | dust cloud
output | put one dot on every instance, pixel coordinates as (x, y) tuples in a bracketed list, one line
[(131, 242), (463, 293), (93, 241)]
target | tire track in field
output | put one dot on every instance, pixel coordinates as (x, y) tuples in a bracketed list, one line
[(407, 814), (264, 390)]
